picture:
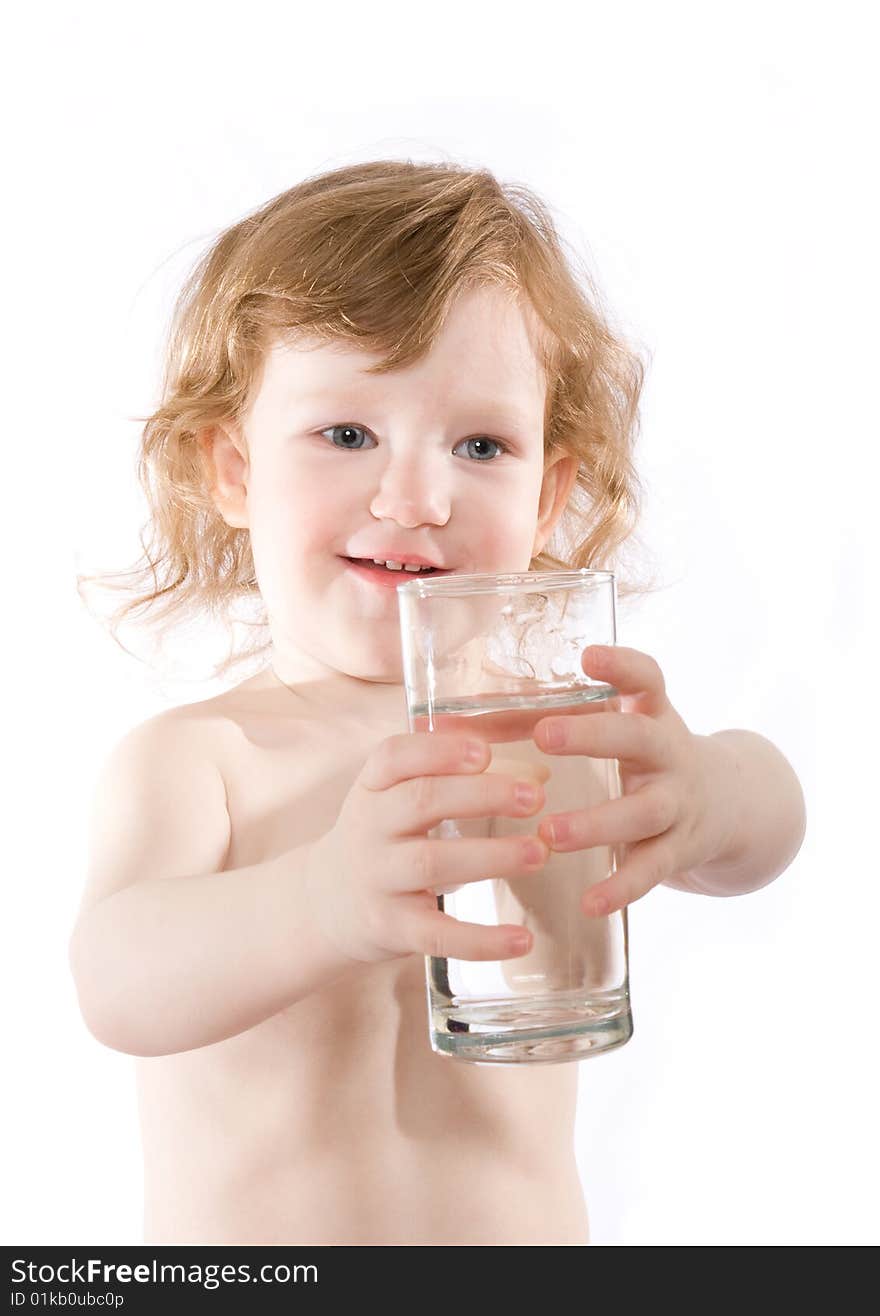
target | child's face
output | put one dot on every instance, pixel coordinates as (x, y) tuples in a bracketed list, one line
[(405, 475)]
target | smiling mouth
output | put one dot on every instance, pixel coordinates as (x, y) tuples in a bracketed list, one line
[(395, 571)]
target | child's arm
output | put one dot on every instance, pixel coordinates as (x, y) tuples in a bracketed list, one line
[(720, 814), (169, 952), (771, 814)]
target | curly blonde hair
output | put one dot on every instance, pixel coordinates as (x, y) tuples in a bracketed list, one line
[(373, 254)]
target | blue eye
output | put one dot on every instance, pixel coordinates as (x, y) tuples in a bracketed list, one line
[(348, 429), (483, 438), (352, 429)]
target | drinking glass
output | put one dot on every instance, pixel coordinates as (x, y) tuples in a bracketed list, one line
[(494, 654)]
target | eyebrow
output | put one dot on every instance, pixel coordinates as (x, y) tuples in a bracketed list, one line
[(348, 395)]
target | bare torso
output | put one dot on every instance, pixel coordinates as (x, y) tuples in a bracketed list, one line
[(333, 1121)]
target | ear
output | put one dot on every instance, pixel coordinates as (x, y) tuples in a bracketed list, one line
[(556, 487), (226, 473)]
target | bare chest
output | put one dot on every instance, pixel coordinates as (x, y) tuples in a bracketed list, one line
[(341, 1088)]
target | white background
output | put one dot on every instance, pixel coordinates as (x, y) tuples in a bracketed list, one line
[(715, 167)]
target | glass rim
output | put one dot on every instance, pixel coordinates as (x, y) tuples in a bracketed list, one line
[(498, 582)]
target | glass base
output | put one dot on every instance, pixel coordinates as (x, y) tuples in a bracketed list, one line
[(547, 1030)]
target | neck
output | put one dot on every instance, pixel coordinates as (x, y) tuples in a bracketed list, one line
[(382, 701)]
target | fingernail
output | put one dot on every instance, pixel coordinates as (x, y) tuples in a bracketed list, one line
[(525, 792), (534, 852), (554, 735), (559, 830)]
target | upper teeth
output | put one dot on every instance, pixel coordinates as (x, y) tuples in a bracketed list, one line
[(396, 566)]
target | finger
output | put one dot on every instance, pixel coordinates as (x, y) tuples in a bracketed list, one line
[(444, 937), (413, 807), (647, 864), (631, 672), (647, 812), (633, 738), (431, 863), (417, 753)]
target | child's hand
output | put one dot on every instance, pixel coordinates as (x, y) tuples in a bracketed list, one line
[(370, 879), (677, 810)]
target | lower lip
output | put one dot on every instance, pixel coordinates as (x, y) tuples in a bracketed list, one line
[(384, 579)]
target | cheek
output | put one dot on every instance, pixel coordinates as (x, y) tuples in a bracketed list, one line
[(319, 500), (501, 532), (283, 514)]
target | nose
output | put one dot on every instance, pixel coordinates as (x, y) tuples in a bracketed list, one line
[(411, 493)]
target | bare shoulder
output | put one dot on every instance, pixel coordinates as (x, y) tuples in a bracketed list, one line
[(159, 805)]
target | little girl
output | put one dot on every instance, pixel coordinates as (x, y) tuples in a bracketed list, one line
[(391, 362)]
